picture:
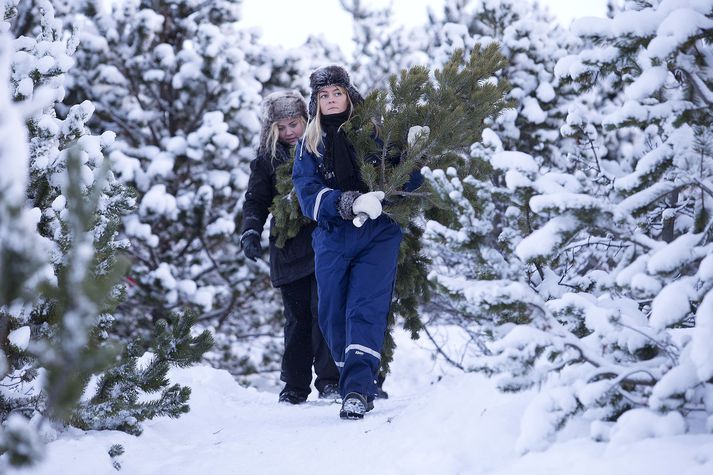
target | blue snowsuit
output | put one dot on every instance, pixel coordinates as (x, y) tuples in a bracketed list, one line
[(355, 270)]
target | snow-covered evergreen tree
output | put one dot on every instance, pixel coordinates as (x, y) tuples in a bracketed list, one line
[(617, 320), (56, 326), (532, 41), (170, 78), (60, 289), (382, 47), (282, 68), (485, 213), (173, 80), (23, 265)]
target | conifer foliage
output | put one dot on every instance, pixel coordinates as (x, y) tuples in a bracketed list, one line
[(285, 207), (424, 121), (60, 257), (116, 401), (172, 79), (485, 207), (612, 309)]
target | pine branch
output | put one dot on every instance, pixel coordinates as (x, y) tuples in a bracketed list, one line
[(449, 110)]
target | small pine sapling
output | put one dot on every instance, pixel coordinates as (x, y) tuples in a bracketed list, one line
[(425, 120), (285, 207)]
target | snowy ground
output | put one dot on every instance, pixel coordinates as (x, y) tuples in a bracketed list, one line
[(437, 421)]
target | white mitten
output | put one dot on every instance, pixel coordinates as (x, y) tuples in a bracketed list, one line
[(369, 204)]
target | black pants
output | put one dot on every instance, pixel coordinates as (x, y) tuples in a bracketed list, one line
[(304, 343)]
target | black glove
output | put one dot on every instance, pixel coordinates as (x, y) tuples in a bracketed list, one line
[(250, 242)]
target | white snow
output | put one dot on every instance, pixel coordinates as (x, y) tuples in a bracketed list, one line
[(673, 303), (672, 384), (674, 255), (646, 84), (544, 240), (14, 150), (187, 287), (510, 160), (646, 284), (25, 87), (491, 139), (677, 28), (134, 227), (218, 178), (701, 348), (562, 202), (532, 111), (545, 92), (161, 165), (638, 424), (204, 297), (175, 145), (163, 275), (221, 226), (417, 133), (537, 428), (158, 201), (20, 337), (436, 420)]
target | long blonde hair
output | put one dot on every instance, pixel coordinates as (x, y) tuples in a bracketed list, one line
[(273, 135), (313, 132)]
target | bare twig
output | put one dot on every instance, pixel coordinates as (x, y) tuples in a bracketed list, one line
[(420, 194), (440, 350)]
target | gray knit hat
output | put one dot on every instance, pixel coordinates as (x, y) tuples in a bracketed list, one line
[(331, 76), (280, 105)]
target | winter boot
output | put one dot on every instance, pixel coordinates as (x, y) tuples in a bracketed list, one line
[(355, 406), (330, 391), (380, 393), (291, 396)]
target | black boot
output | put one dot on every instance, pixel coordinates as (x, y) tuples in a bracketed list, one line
[(330, 391), (292, 396), (380, 393)]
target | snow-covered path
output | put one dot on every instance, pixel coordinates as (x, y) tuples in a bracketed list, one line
[(457, 425)]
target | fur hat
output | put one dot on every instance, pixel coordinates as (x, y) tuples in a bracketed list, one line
[(331, 76), (280, 105)]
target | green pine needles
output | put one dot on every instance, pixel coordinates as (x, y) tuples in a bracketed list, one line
[(426, 120), (285, 207), (117, 402)]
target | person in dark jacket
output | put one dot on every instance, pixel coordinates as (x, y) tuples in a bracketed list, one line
[(355, 261), (284, 115)]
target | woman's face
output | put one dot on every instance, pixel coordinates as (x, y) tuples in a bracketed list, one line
[(332, 100), (290, 129)]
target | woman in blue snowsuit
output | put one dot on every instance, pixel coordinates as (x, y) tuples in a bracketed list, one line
[(355, 266)]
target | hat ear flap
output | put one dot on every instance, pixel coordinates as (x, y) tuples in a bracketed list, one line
[(354, 95), (312, 105)]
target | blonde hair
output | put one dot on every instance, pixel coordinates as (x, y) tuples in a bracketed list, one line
[(273, 135), (313, 132)]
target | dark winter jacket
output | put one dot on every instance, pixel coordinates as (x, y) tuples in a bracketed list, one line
[(296, 259)]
